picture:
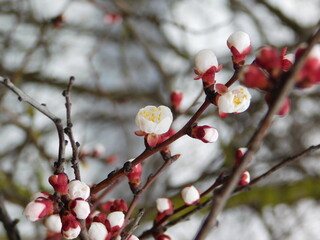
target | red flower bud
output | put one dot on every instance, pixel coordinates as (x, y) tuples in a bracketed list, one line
[(162, 237), (204, 133), (70, 226), (116, 205), (269, 59), (59, 182), (176, 98), (245, 179), (252, 76)]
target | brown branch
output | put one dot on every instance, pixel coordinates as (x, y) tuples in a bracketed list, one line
[(68, 130), (8, 224), (44, 110), (220, 199), (148, 152)]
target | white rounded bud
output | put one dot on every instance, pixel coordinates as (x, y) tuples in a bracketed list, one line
[(190, 195), (97, 231), (78, 189), (204, 60), (53, 223)]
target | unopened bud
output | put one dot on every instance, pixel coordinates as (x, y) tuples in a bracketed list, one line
[(80, 208), (240, 46), (59, 182), (245, 179), (38, 209), (70, 226), (97, 231), (78, 189), (251, 76), (205, 133), (190, 195), (53, 223), (115, 221), (176, 98)]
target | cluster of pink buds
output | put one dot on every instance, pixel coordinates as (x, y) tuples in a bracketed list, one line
[(63, 213)]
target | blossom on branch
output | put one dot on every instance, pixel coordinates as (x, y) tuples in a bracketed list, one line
[(53, 223), (115, 221), (190, 195), (164, 207), (253, 76), (59, 182), (79, 208), (70, 226), (78, 189), (206, 66), (240, 46), (151, 119), (236, 100), (38, 209), (244, 179), (204, 133), (97, 231)]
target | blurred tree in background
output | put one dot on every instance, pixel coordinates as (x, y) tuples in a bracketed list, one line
[(127, 54)]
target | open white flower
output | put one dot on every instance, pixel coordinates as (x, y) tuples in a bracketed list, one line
[(236, 100), (153, 119), (204, 60)]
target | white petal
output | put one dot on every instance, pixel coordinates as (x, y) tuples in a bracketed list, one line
[(239, 40), (163, 204), (205, 59), (116, 218), (33, 211), (72, 233), (190, 194), (97, 231), (53, 223), (78, 189), (82, 209)]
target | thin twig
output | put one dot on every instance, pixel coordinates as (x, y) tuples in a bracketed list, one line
[(8, 224), (44, 110), (220, 199), (68, 130)]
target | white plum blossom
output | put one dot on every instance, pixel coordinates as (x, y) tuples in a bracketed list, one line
[(239, 40), (78, 189), (163, 204), (190, 195), (204, 60), (116, 219), (97, 231), (236, 100), (80, 208), (53, 223), (157, 120)]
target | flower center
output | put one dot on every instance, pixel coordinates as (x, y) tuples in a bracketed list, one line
[(153, 114), (239, 96)]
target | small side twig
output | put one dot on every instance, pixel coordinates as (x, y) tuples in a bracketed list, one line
[(8, 224), (68, 130), (44, 110)]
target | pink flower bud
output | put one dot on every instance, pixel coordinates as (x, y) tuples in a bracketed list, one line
[(286, 60), (176, 98), (190, 195), (162, 237), (39, 208), (53, 223), (80, 208), (78, 189), (115, 221), (251, 76), (59, 183), (116, 205), (205, 133), (97, 231), (134, 176), (245, 179), (206, 66), (269, 59), (310, 72), (239, 154), (70, 226), (240, 46)]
